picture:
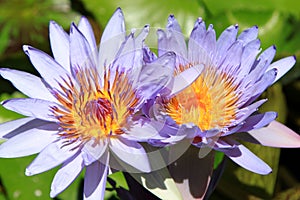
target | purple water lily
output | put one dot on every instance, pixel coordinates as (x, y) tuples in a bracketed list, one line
[(79, 111), (219, 107)]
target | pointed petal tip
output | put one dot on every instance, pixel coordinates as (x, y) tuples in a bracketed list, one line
[(52, 23), (119, 12), (4, 102), (242, 156), (119, 9), (83, 18), (265, 171), (199, 20), (160, 34), (171, 54), (172, 22), (55, 190), (283, 66), (26, 49), (171, 18), (275, 115), (28, 172), (73, 27), (146, 30), (52, 193), (147, 26), (231, 27)]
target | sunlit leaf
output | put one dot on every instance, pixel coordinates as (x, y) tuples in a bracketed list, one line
[(219, 156), (238, 183), (285, 6), (19, 186), (245, 183), (115, 182), (4, 38), (291, 194), (7, 115), (272, 17), (28, 20), (269, 23), (120, 180), (276, 102), (263, 186)]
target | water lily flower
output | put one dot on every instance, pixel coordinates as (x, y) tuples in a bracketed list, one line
[(219, 107), (79, 111)]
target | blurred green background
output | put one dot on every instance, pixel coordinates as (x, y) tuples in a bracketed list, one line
[(26, 22)]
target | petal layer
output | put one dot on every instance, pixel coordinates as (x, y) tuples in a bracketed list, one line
[(53, 155), (131, 153), (95, 180), (28, 84), (276, 135), (37, 108), (29, 142), (66, 175), (246, 159)]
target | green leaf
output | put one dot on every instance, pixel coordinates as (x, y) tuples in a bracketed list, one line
[(120, 179), (262, 186), (269, 23), (19, 186), (7, 115), (246, 183), (4, 38), (239, 183), (219, 156), (114, 182), (276, 102), (23, 13), (12, 171), (291, 194), (20, 17), (270, 17), (284, 6)]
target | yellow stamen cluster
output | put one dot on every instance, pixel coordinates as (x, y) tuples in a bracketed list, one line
[(90, 110), (209, 102)]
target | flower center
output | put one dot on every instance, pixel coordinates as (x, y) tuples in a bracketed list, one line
[(91, 111), (209, 102)]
